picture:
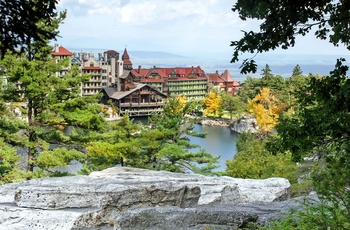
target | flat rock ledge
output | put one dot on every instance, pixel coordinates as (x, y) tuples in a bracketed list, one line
[(128, 198)]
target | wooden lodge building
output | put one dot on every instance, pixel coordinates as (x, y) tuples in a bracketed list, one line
[(136, 100)]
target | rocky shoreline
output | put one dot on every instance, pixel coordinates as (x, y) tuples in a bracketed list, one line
[(244, 124), (216, 122)]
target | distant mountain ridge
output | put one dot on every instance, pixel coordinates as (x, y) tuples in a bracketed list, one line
[(280, 64)]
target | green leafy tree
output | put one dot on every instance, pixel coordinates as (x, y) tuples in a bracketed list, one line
[(320, 128), (232, 104), (253, 160), (250, 88), (282, 21)]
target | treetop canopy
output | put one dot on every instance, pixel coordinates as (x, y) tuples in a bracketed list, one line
[(283, 20)]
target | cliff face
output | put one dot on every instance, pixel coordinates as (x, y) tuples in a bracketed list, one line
[(130, 198)]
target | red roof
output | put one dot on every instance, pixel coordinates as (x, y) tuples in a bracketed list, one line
[(111, 52), (226, 76), (125, 55), (126, 58), (62, 52), (214, 77), (182, 73)]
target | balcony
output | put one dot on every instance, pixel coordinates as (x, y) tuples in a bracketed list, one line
[(138, 105)]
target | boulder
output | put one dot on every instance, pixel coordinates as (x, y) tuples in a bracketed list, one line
[(97, 200), (245, 124), (214, 217)]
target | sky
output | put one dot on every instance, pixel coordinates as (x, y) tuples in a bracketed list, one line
[(198, 28)]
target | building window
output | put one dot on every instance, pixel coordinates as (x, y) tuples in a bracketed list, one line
[(91, 64)]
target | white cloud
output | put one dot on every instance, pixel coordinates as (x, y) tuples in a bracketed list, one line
[(181, 26)]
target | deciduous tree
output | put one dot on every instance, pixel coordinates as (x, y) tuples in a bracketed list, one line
[(232, 104), (282, 21), (266, 110), (212, 103)]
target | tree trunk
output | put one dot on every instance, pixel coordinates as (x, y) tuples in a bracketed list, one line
[(31, 138)]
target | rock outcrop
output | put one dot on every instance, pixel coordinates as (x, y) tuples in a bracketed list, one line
[(103, 199), (216, 122), (245, 124)]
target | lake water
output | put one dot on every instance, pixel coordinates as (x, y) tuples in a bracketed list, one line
[(220, 141)]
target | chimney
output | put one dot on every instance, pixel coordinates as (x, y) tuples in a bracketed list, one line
[(56, 48), (217, 71), (154, 67), (139, 69)]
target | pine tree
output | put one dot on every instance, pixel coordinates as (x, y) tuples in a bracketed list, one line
[(50, 106)]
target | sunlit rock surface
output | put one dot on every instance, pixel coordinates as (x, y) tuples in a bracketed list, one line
[(98, 200)]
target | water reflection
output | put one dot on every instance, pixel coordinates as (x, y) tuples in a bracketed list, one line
[(220, 141)]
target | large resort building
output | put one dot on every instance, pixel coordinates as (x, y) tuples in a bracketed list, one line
[(141, 91)]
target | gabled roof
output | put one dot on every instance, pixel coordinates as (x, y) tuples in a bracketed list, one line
[(113, 93), (214, 77), (125, 74), (224, 77), (182, 73), (62, 52)]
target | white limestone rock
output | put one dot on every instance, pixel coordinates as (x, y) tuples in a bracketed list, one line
[(245, 124), (94, 202), (214, 190)]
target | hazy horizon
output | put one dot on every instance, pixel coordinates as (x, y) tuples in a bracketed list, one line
[(280, 64)]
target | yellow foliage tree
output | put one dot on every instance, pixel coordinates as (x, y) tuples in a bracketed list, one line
[(212, 103), (266, 109), (178, 104)]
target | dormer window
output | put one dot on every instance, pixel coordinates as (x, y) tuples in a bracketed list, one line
[(91, 64)]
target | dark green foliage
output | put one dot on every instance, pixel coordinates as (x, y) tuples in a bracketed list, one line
[(322, 116), (52, 104), (23, 21), (320, 128), (164, 147), (297, 71), (282, 21)]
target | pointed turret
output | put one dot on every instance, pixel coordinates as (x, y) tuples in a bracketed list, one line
[(126, 60)]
